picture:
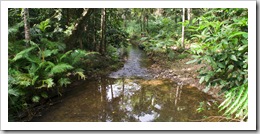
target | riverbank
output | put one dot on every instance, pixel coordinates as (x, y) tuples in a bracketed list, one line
[(178, 71)]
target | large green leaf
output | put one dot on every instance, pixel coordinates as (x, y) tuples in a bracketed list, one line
[(233, 57), (237, 34), (202, 79)]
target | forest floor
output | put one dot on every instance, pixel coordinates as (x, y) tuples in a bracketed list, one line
[(178, 71)]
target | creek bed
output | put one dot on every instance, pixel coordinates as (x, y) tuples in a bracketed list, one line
[(131, 95)]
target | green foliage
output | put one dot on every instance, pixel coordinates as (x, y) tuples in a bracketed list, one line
[(222, 44), (64, 82), (117, 37), (35, 99), (201, 107), (113, 53), (61, 68), (236, 102), (44, 25), (38, 67)]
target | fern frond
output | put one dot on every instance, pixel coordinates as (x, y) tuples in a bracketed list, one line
[(236, 102), (229, 98), (48, 53), (60, 68), (49, 82), (14, 29), (14, 92), (241, 102), (81, 75), (65, 55), (64, 81), (23, 53), (47, 65), (24, 79)]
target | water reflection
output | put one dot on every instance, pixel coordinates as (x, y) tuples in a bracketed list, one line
[(129, 100)]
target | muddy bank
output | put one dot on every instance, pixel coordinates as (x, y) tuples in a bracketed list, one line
[(178, 71)]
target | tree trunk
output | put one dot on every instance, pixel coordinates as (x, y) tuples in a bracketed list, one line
[(189, 15), (159, 12), (125, 21), (78, 28), (94, 34), (182, 35), (26, 25), (141, 24), (103, 28), (147, 19), (80, 42), (144, 23)]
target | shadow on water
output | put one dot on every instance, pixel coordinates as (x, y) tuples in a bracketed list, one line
[(131, 95)]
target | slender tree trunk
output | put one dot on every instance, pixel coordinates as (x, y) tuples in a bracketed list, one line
[(159, 12), (144, 24), (183, 19), (104, 31), (103, 28), (94, 34), (141, 24), (189, 13), (147, 19), (80, 42), (26, 25), (125, 21)]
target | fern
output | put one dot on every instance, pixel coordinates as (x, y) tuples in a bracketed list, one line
[(14, 29), (80, 73), (236, 102), (61, 68), (64, 81), (65, 55), (23, 53), (49, 82)]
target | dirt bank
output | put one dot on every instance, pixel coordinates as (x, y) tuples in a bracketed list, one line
[(177, 70)]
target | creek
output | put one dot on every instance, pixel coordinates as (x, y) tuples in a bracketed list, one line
[(131, 94)]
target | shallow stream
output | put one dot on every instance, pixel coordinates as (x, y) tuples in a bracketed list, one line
[(131, 95)]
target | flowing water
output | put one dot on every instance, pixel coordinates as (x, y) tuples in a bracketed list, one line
[(131, 95)]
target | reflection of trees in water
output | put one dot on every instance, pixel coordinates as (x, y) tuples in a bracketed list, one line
[(167, 102)]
